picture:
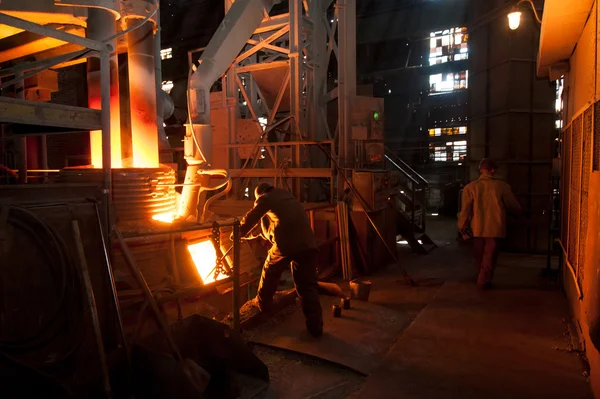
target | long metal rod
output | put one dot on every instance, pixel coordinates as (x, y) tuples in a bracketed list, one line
[(87, 281), (45, 31), (148, 293), (236, 276), (535, 13), (42, 66), (21, 141), (111, 277), (106, 147)]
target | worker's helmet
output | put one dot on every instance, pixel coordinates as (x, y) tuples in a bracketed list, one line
[(487, 164), (261, 189)]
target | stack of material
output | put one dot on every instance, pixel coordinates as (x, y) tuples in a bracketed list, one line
[(344, 234)]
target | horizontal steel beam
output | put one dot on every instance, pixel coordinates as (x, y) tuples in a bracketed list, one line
[(57, 34), (261, 67), (287, 173), (280, 144), (14, 110), (273, 23)]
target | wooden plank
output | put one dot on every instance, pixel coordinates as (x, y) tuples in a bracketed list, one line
[(13, 110)]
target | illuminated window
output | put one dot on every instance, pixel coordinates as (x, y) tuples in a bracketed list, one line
[(167, 86), (166, 53), (453, 151), (447, 82), (559, 103), (448, 45), (447, 131)]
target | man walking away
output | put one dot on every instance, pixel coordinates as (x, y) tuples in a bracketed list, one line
[(286, 225), (485, 203)]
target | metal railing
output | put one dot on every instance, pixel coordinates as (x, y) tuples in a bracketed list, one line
[(414, 189)]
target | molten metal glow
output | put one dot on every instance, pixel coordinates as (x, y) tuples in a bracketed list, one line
[(166, 217), (205, 257)]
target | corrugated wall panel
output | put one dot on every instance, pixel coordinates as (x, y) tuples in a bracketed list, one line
[(586, 168)]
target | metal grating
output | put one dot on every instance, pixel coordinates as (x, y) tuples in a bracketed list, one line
[(586, 169), (575, 190), (596, 154)]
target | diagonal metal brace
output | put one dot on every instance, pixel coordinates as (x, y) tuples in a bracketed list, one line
[(45, 31)]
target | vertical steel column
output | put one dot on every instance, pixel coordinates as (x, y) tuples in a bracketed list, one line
[(160, 96), (44, 151), (231, 99), (236, 276), (105, 117), (142, 94), (21, 141), (296, 65), (296, 75), (101, 25), (346, 74)]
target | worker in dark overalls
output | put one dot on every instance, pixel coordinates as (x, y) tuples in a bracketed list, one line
[(285, 224)]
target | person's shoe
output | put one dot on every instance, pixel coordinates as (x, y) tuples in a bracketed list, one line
[(314, 327), (485, 287)]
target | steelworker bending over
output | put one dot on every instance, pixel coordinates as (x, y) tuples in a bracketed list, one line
[(485, 203), (285, 224)]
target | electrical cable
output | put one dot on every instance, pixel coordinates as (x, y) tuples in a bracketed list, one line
[(68, 310)]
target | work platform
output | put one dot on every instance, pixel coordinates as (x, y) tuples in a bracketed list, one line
[(454, 341)]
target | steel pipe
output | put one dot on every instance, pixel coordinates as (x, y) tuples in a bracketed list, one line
[(101, 26), (142, 95)]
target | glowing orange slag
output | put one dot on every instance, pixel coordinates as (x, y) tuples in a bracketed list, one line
[(205, 257)]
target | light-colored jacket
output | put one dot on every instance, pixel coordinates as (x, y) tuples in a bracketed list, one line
[(485, 203), (284, 222)]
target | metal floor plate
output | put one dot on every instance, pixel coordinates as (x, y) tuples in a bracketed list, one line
[(358, 340)]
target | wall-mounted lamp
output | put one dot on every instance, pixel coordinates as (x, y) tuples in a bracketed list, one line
[(514, 16)]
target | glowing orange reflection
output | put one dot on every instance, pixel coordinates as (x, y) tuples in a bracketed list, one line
[(166, 217), (115, 132), (205, 257)]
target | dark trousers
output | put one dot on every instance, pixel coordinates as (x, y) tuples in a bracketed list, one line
[(487, 250), (304, 272)]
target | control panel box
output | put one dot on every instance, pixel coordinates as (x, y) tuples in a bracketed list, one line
[(373, 186)]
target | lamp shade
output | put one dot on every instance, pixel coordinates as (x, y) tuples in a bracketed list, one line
[(514, 19)]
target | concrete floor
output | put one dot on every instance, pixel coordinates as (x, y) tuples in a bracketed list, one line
[(510, 342)]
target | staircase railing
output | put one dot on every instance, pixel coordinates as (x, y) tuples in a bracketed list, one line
[(414, 185)]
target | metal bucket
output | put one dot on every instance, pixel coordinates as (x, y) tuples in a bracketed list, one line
[(360, 289)]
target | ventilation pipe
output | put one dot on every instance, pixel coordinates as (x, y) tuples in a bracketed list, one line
[(237, 27)]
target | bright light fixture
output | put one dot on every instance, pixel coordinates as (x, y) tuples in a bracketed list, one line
[(514, 20)]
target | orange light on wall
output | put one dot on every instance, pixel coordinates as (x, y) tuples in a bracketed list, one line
[(115, 135), (204, 256)]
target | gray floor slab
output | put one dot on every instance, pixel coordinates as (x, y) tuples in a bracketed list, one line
[(505, 343)]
